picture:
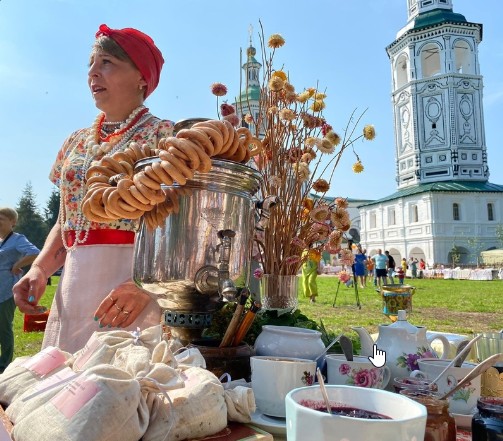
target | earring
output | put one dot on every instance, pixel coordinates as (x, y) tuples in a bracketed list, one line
[(140, 86)]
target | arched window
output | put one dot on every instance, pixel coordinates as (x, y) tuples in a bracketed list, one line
[(430, 60), (455, 212), (414, 213), (401, 69), (373, 219), (490, 212), (462, 57)]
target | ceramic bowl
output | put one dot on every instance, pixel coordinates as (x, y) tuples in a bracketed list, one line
[(407, 418)]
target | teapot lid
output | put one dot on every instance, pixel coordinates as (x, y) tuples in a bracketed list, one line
[(402, 323)]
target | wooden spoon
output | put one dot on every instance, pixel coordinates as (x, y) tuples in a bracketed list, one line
[(474, 373), (323, 390)]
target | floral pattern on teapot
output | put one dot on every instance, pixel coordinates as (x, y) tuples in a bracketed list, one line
[(361, 377), (308, 378), (409, 361)]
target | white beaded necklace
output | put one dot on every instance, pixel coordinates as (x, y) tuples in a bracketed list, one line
[(93, 148)]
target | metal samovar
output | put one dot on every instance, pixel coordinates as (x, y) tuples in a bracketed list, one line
[(200, 255)]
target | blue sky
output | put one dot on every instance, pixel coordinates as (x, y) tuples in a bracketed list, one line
[(340, 45)]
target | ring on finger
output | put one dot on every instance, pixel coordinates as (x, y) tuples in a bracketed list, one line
[(126, 312), (111, 298), (118, 307)]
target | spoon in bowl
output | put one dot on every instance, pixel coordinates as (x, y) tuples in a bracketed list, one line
[(347, 347), (323, 390), (474, 373), (460, 356)]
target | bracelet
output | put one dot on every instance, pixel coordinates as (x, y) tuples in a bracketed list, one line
[(41, 268)]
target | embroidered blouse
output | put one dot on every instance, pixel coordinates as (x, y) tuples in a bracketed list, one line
[(67, 171)]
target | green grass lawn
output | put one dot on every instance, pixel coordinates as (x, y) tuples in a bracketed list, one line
[(458, 306)]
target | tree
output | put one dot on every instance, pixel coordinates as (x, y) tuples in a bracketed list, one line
[(476, 246), (455, 255), (30, 222), (52, 209)]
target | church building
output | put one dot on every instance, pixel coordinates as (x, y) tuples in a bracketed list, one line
[(445, 210)]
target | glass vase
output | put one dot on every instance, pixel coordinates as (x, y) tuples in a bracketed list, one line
[(279, 292)]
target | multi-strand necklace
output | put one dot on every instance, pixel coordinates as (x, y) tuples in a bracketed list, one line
[(96, 146)]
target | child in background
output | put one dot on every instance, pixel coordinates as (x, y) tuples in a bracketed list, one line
[(400, 274)]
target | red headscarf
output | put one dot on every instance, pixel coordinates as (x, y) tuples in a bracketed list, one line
[(142, 51)]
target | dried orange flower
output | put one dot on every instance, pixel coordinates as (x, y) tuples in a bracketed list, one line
[(275, 41), (341, 202), (248, 118), (358, 167), (320, 213), (279, 74), (303, 97), (333, 137), (272, 110), (369, 132), (308, 203), (302, 170), (325, 146), (321, 186), (319, 96), (317, 106), (287, 114), (276, 84)]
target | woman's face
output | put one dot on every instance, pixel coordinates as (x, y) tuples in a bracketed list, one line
[(6, 225), (115, 85)]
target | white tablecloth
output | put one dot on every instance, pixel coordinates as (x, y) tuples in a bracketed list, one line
[(469, 274)]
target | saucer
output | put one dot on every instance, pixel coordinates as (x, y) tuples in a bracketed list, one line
[(463, 421), (273, 425)]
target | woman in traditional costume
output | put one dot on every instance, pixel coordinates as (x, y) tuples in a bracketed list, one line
[(96, 290)]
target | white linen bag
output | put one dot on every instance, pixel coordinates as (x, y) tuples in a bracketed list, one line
[(25, 372), (103, 403), (197, 410), (102, 346)]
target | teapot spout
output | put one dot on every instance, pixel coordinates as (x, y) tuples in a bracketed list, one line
[(367, 344)]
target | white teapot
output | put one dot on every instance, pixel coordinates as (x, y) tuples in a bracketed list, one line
[(403, 343)]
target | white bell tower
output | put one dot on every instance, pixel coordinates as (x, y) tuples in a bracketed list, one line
[(437, 97)]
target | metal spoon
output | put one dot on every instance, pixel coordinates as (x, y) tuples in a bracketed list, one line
[(347, 347), (334, 341), (475, 372), (460, 355), (323, 390)]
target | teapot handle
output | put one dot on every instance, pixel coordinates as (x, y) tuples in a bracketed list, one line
[(445, 344)]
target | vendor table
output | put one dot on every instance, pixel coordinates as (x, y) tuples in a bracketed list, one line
[(6, 428)]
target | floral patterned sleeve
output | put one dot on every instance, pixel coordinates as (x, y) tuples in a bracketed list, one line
[(64, 151)]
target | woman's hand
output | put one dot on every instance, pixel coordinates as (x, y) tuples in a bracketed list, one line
[(122, 306), (29, 290)]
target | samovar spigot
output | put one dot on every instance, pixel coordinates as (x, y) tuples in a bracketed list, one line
[(210, 279)]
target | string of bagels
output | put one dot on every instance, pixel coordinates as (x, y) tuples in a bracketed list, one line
[(116, 191)]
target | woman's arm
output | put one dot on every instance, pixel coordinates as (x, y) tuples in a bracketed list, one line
[(31, 287)]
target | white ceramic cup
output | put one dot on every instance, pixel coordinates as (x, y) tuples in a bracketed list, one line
[(462, 401), (273, 377), (408, 417), (359, 372)]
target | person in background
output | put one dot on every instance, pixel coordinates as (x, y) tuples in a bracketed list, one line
[(359, 266), (400, 274), (390, 267), (422, 267), (404, 265), (381, 262), (371, 270), (96, 290), (413, 267), (311, 259), (16, 252)]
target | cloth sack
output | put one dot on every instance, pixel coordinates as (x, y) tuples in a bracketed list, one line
[(240, 403), (24, 404), (103, 403), (102, 346), (24, 372), (196, 411)]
